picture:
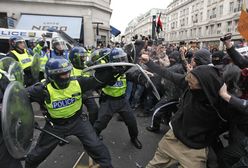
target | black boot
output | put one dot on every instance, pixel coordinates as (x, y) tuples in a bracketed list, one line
[(136, 143), (153, 129)]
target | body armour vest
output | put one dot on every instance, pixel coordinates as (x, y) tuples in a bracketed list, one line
[(64, 103), (118, 89), (24, 59)]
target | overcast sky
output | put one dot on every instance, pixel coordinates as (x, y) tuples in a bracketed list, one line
[(126, 10)]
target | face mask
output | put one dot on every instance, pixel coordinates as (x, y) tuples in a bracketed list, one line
[(62, 83)]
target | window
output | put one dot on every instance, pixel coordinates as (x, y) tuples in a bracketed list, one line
[(186, 33), (231, 6), (239, 6), (236, 25), (214, 13), (201, 16), (212, 30), (208, 14), (3, 20), (207, 31), (221, 10), (195, 18), (194, 32), (199, 31), (209, 2), (218, 28), (229, 26)]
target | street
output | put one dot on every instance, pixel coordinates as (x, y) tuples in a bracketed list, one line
[(116, 138)]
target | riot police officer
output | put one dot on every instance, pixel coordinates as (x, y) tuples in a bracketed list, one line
[(42, 52), (59, 48), (62, 97), (113, 101), (78, 57), (18, 51)]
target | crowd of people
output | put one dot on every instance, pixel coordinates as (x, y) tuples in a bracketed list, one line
[(204, 94)]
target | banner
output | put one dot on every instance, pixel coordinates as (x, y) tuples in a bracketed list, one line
[(243, 21), (70, 25)]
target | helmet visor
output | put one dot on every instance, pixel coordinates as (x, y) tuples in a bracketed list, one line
[(60, 45), (21, 44), (120, 58), (79, 60), (60, 70)]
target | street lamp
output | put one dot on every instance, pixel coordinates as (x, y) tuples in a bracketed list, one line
[(97, 31), (153, 13)]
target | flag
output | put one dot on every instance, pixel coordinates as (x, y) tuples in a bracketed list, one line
[(159, 24), (243, 21), (114, 31)]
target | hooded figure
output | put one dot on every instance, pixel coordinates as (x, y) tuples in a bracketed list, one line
[(198, 108), (194, 125)]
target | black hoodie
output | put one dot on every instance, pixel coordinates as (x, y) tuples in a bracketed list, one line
[(196, 121)]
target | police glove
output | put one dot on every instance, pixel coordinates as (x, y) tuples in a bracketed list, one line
[(104, 75)]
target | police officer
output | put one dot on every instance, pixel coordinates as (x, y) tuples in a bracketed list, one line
[(6, 160), (59, 48), (78, 57), (19, 52), (42, 52), (62, 97), (99, 56), (31, 44), (113, 101)]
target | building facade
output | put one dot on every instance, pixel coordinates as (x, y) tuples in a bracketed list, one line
[(204, 21), (90, 12), (142, 25)]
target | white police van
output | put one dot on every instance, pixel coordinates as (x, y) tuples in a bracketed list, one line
[(5, 35)]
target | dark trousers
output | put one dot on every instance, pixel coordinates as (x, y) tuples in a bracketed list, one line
[(81, 129), (91, 105), (234, 151), (106, 111), (6, 160), (163, 109)]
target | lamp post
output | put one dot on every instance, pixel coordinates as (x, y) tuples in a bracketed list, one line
[(153, 13), (97, 31)]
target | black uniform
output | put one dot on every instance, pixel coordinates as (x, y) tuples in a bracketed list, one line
[(75, 125)]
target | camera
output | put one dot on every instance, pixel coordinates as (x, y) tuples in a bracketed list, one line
[(227, 36)]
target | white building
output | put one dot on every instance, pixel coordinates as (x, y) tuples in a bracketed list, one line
[(74, 16), (202, 20), (142, 25)]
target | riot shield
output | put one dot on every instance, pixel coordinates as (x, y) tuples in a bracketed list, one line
[(11, 69), (35, 68), (91, 68), (117, 64), (17, 120)]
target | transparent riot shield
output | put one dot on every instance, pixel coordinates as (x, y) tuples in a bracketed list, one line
[(122, 64), (17, 120), (11, 69), (35, 68)]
